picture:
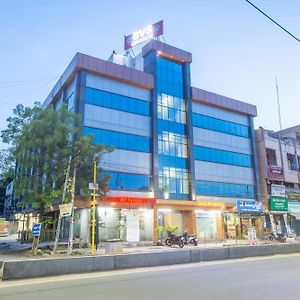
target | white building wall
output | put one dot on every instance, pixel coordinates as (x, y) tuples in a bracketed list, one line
[(209, 171), (219, 113), (115, 120), (116, 87), (219, 140)]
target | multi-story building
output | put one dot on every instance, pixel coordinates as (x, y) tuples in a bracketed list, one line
[(279, 164), (183, 157)]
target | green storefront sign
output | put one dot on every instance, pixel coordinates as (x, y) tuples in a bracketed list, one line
[(278, 203)]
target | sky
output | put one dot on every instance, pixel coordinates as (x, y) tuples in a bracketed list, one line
[(237, 52)]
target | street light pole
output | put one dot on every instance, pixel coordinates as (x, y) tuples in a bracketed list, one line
[(94, 211)]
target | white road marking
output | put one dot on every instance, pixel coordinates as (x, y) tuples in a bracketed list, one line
[(69, 277)]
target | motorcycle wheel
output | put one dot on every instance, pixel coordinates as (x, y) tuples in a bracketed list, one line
[(271, 238), (194, 242), (283, 240), (168, 242), (180, 243)]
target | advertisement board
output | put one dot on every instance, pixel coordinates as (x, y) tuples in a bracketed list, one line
[(278, 203), (144, 34), (246, 206), (65, 210), (278, 190), (294, 207), (275, 172)]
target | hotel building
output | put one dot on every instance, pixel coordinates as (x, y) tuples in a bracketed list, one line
[(183, 157)]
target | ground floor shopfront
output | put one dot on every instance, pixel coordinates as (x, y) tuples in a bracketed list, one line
[(134, 219)]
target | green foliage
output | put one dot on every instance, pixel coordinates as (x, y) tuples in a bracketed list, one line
[(159, 228), (42, 141), (172, 228)]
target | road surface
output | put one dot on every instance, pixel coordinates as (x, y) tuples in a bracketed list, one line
[(276, 277)]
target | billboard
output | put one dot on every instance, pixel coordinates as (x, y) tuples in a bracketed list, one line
[(144, 34), (278, 203), (248, 206)]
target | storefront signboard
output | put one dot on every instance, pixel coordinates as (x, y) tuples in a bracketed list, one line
[(278, 190), (278, 203), (294, 207), (246, 206), (129, 200), (144, 34), (293, 196), (275, 172)]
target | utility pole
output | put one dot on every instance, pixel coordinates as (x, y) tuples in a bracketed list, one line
[(94, 211), (63, 199), (71, 234), (278, 104)]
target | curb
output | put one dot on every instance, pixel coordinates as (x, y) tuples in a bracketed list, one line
[(18, 269)]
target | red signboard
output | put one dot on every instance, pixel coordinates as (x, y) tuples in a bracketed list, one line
[(144, 34), (129, 200), (275, 172)]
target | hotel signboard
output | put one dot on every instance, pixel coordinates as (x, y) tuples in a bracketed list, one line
[(144, 34)]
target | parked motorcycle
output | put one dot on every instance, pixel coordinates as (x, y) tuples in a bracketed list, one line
[(189, 239), (174, 239), (278, 237)]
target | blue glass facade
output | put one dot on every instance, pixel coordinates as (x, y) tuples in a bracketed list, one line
[(118, 102), (119, 140), (171, 140), (128, 182), (222, 189), (172, 148), (218, 125), (222, 157)]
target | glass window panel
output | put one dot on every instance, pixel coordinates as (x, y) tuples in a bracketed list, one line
[(118, 102)]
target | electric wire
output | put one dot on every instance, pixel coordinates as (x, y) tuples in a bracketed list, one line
[(272, 20), (54, 36), (6, 84), (24, 93)]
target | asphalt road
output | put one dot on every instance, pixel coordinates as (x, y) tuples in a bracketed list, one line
[(276, 277)]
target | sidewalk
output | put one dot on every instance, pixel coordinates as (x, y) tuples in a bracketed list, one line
[(11, 249)]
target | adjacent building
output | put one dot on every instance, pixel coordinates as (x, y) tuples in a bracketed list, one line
[(183, 157), (279, 161)]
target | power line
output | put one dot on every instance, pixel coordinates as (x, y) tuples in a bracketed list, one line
[(54, 36), (288, 32), (5, 84), (27, 90), (25, 93)]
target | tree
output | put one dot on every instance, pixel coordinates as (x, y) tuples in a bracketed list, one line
[(42, 141), (6, 174)]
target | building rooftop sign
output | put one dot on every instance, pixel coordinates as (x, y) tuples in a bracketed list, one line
[(144, 34)]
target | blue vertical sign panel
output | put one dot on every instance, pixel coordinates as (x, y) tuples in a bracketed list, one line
[(36, 229)]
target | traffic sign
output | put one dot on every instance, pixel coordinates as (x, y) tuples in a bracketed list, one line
[(36, 229)]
